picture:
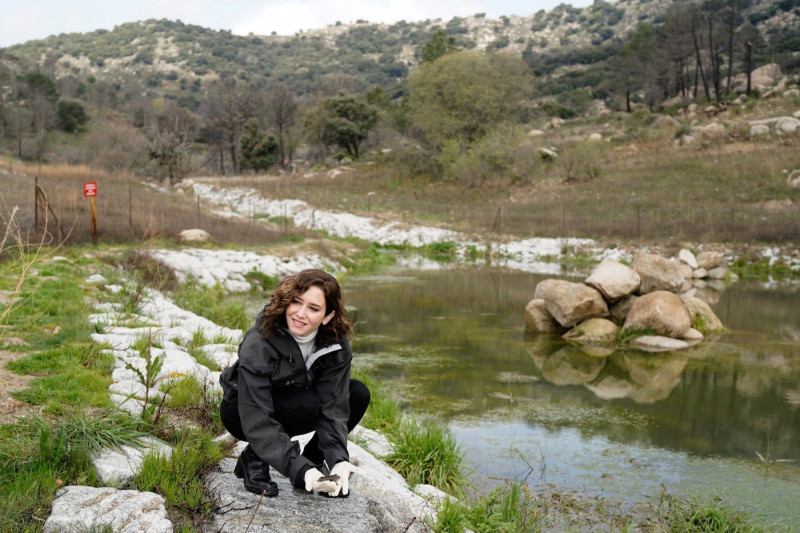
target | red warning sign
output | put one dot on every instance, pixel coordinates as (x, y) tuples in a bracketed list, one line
[(90, 188)]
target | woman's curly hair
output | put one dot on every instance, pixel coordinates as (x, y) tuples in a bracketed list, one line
[(274, 314)]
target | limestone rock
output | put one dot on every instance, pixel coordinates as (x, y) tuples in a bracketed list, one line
[(718, 273), (700, 273), (81, 508), (692, 335), (793, 181), (619, 311), (594, 331), (709, 260), (759, 130), (660, 311), (613, 279), (538, 319), (786, 125), (701, 315), (688, 257), (569, 303), (117, 466), (685, 270), (657, 343), (194, 235), (657, 273)]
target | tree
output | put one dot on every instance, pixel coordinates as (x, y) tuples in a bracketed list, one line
[(230, 107), (463, 95), (438, 45), (258, 151), (170, 139), (342, 121), (71, 116), (281, 109), (635, 63), (40, 95)]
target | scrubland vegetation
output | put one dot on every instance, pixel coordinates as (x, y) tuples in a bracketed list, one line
[(491, 140)]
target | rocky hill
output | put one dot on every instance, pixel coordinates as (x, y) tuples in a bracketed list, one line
[(182, 61)]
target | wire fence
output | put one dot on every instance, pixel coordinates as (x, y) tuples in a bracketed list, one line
[(125, 210), (756, 223), (128, 209)]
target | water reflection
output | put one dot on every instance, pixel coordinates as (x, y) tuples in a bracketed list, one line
[(453, 343), (645, 378)]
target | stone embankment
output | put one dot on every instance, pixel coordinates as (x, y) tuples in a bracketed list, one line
[(652, 301), (380, 499)]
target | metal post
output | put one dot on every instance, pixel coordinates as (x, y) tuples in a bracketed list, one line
[(36, 203)]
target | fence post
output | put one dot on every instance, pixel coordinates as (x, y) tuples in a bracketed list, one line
[(36, 203), (130, 206), (733, 232)]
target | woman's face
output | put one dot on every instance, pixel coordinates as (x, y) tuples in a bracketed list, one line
[(306, 312)]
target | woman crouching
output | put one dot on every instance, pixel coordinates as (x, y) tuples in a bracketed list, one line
[(293, 377)]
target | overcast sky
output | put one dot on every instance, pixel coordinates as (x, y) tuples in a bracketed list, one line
[(25, 20)]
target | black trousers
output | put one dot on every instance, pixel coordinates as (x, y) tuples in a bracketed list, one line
[(297, 410)]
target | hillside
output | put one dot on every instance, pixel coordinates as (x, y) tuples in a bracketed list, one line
[(182, 61)]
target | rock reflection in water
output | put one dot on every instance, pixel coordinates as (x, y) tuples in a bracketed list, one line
[(642, 377)]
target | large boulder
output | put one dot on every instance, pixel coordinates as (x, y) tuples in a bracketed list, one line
[(702, 316), (793, 181), (570, 303), (662, 312), (194, 235), (619, 311), (539, 320), (657, 273), (594, 331), (613, 279), (709, 260)]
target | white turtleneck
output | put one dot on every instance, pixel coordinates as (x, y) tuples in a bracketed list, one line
[(306, 344)]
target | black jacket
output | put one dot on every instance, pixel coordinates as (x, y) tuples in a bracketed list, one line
[(268, 364)]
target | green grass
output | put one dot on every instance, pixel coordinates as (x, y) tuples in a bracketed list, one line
[(692, 516), (427, 453), (212, 303), (38, 456), (510, 509), (179, 479)]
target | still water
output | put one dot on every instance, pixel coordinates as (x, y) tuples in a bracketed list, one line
[(720, 420)]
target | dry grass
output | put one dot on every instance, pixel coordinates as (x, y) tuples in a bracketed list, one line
[(126, 208)]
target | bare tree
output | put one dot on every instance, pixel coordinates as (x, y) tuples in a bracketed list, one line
[(170, 138), (281, 109), (230, 107)]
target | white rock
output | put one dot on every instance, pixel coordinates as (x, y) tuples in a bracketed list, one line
[(656, 343), (80, 508), (687, 257), (117, 466)]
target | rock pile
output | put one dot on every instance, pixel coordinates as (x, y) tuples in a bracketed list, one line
[(641, 302)]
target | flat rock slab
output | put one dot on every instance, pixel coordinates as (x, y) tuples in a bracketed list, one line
[(81, 508), (297, 511)]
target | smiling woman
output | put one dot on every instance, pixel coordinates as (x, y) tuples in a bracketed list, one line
[(293, 377)]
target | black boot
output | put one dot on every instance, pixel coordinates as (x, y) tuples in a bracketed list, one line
[(255, 473)]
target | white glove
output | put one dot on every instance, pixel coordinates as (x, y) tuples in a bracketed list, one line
[(311, 479), (343, 470)]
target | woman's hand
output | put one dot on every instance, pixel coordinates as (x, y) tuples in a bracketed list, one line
[(343, 470), (315, 484)]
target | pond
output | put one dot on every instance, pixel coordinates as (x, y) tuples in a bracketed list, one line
[(722, 419)]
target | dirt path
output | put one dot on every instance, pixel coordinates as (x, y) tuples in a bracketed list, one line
[(10, 382)]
